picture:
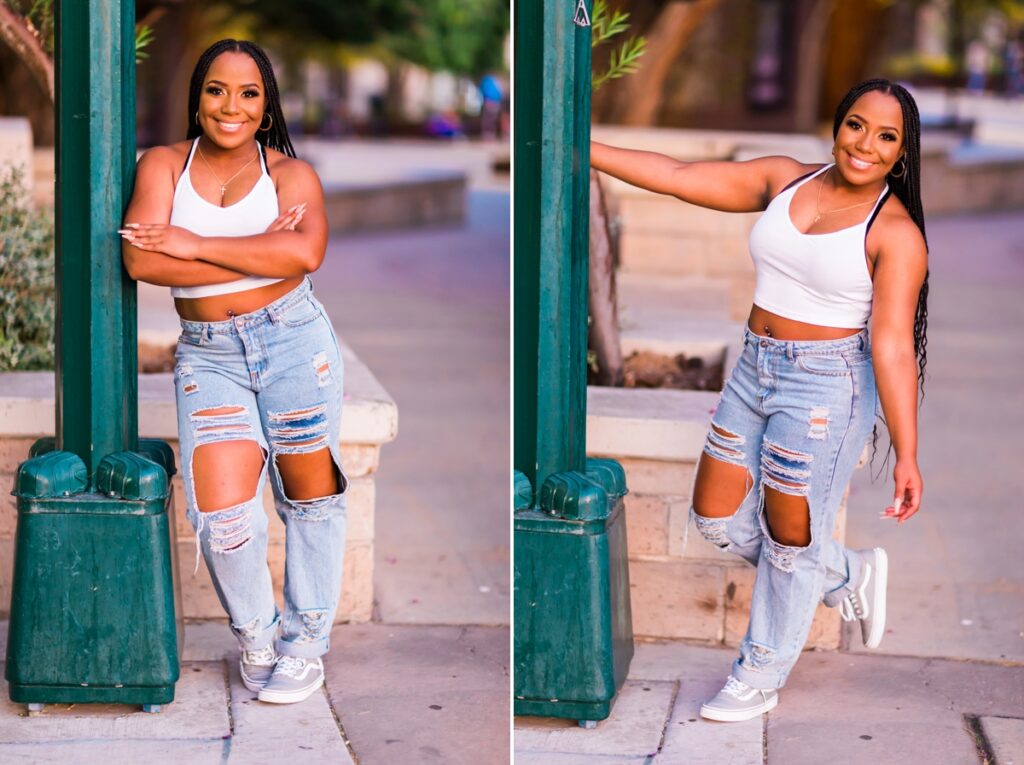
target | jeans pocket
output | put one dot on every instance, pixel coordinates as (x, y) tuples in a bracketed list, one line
[(301, 313), (826, 366)]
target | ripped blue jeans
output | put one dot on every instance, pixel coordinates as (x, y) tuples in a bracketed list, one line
[(796, 415), (273, 376)]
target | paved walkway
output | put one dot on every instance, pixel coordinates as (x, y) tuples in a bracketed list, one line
[(947, 685), (428, 680)]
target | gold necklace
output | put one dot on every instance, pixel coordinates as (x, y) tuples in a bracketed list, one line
[(224, 184), (817, 203)]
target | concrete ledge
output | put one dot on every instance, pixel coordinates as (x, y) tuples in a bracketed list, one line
[(369, 415), (369, 420), (432, 198), (649, 424)]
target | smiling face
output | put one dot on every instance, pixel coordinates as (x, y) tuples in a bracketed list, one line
[(870, 138), (232, 100)]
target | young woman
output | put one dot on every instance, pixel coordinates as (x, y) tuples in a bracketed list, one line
[(233, 223), (839, 246)]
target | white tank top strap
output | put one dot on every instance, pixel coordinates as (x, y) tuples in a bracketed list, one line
[(263, 158), (191, 154)]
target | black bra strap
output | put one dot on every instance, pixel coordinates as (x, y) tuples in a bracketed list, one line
[(878, 209)]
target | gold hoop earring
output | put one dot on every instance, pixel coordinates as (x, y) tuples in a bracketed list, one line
[(265, 129), (901, 173), (197, 116)]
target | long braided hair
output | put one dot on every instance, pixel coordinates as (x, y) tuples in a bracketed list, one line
[(906, 187), (277, 136)]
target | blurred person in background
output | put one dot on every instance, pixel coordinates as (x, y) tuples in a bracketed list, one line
[(233, 223), (840, 250)]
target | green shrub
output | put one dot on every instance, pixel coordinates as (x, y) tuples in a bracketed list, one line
[(26, 278)]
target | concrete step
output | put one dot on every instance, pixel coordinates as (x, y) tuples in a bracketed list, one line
[(673, 315)]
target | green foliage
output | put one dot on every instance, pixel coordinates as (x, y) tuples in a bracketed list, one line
[(623, 60), (38, 15), (143, 37), (26, 278), (465, 37)]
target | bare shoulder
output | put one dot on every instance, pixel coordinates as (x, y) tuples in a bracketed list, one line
[(290, 170), (164, 160), (894, 230), (782, 171)]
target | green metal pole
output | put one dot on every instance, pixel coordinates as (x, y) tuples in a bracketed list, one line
[(573, 637), (93, 595), (552, 160), (96, 321)]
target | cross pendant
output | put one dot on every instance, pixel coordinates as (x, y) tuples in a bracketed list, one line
[(223, 191)]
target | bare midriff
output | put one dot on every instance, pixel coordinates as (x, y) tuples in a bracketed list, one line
[(768, 324), (224, 307)]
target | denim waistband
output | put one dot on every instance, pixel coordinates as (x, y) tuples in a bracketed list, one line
[(791, 348), (268, 314)]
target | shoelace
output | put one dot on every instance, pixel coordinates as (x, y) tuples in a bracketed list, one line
[(263, 657), (734, 687), (852, 608), (290, 665)]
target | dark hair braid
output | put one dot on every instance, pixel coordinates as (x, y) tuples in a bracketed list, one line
[(907, 189), (277, 136)]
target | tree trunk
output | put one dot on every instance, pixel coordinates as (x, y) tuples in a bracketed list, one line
[(667, 34), (26, 46), (604, 314)]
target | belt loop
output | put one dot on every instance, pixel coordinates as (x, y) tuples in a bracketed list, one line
[(790, 350), (206, 336)]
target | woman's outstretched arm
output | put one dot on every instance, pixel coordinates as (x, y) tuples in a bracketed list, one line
[(726, 186), (900, 270), (280, 253)]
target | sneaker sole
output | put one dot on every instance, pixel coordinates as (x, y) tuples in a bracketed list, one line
[(881, 579), (725, 715), (290, 697)]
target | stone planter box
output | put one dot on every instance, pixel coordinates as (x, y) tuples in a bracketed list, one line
[(690, 590), (369, 420)]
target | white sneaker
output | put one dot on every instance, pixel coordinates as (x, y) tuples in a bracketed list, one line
[(737, 701), (867, 602), (257, 666), (294, 679)]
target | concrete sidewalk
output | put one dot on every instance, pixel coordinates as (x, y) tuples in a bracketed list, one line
[(947, 685), (393, 694)]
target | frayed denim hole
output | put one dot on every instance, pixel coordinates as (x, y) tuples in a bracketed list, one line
[(782, 557), (761, 657), (318, 508), (715, 530)]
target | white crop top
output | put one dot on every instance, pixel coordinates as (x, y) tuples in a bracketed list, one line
[(815, 278), (250, 215)]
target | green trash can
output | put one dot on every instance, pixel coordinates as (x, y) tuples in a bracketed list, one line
[(93, 608), (573, 633)]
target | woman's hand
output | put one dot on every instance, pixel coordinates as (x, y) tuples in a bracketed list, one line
[(907, 497), (162, 237), (288, 220)]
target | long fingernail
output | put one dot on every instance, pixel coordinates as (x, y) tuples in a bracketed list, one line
[(131, 225)]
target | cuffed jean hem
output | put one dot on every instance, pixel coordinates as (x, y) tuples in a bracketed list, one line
[(313, 650), (763, 681), (253, 641)]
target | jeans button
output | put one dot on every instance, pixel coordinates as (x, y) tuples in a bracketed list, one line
[(764, 343)]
